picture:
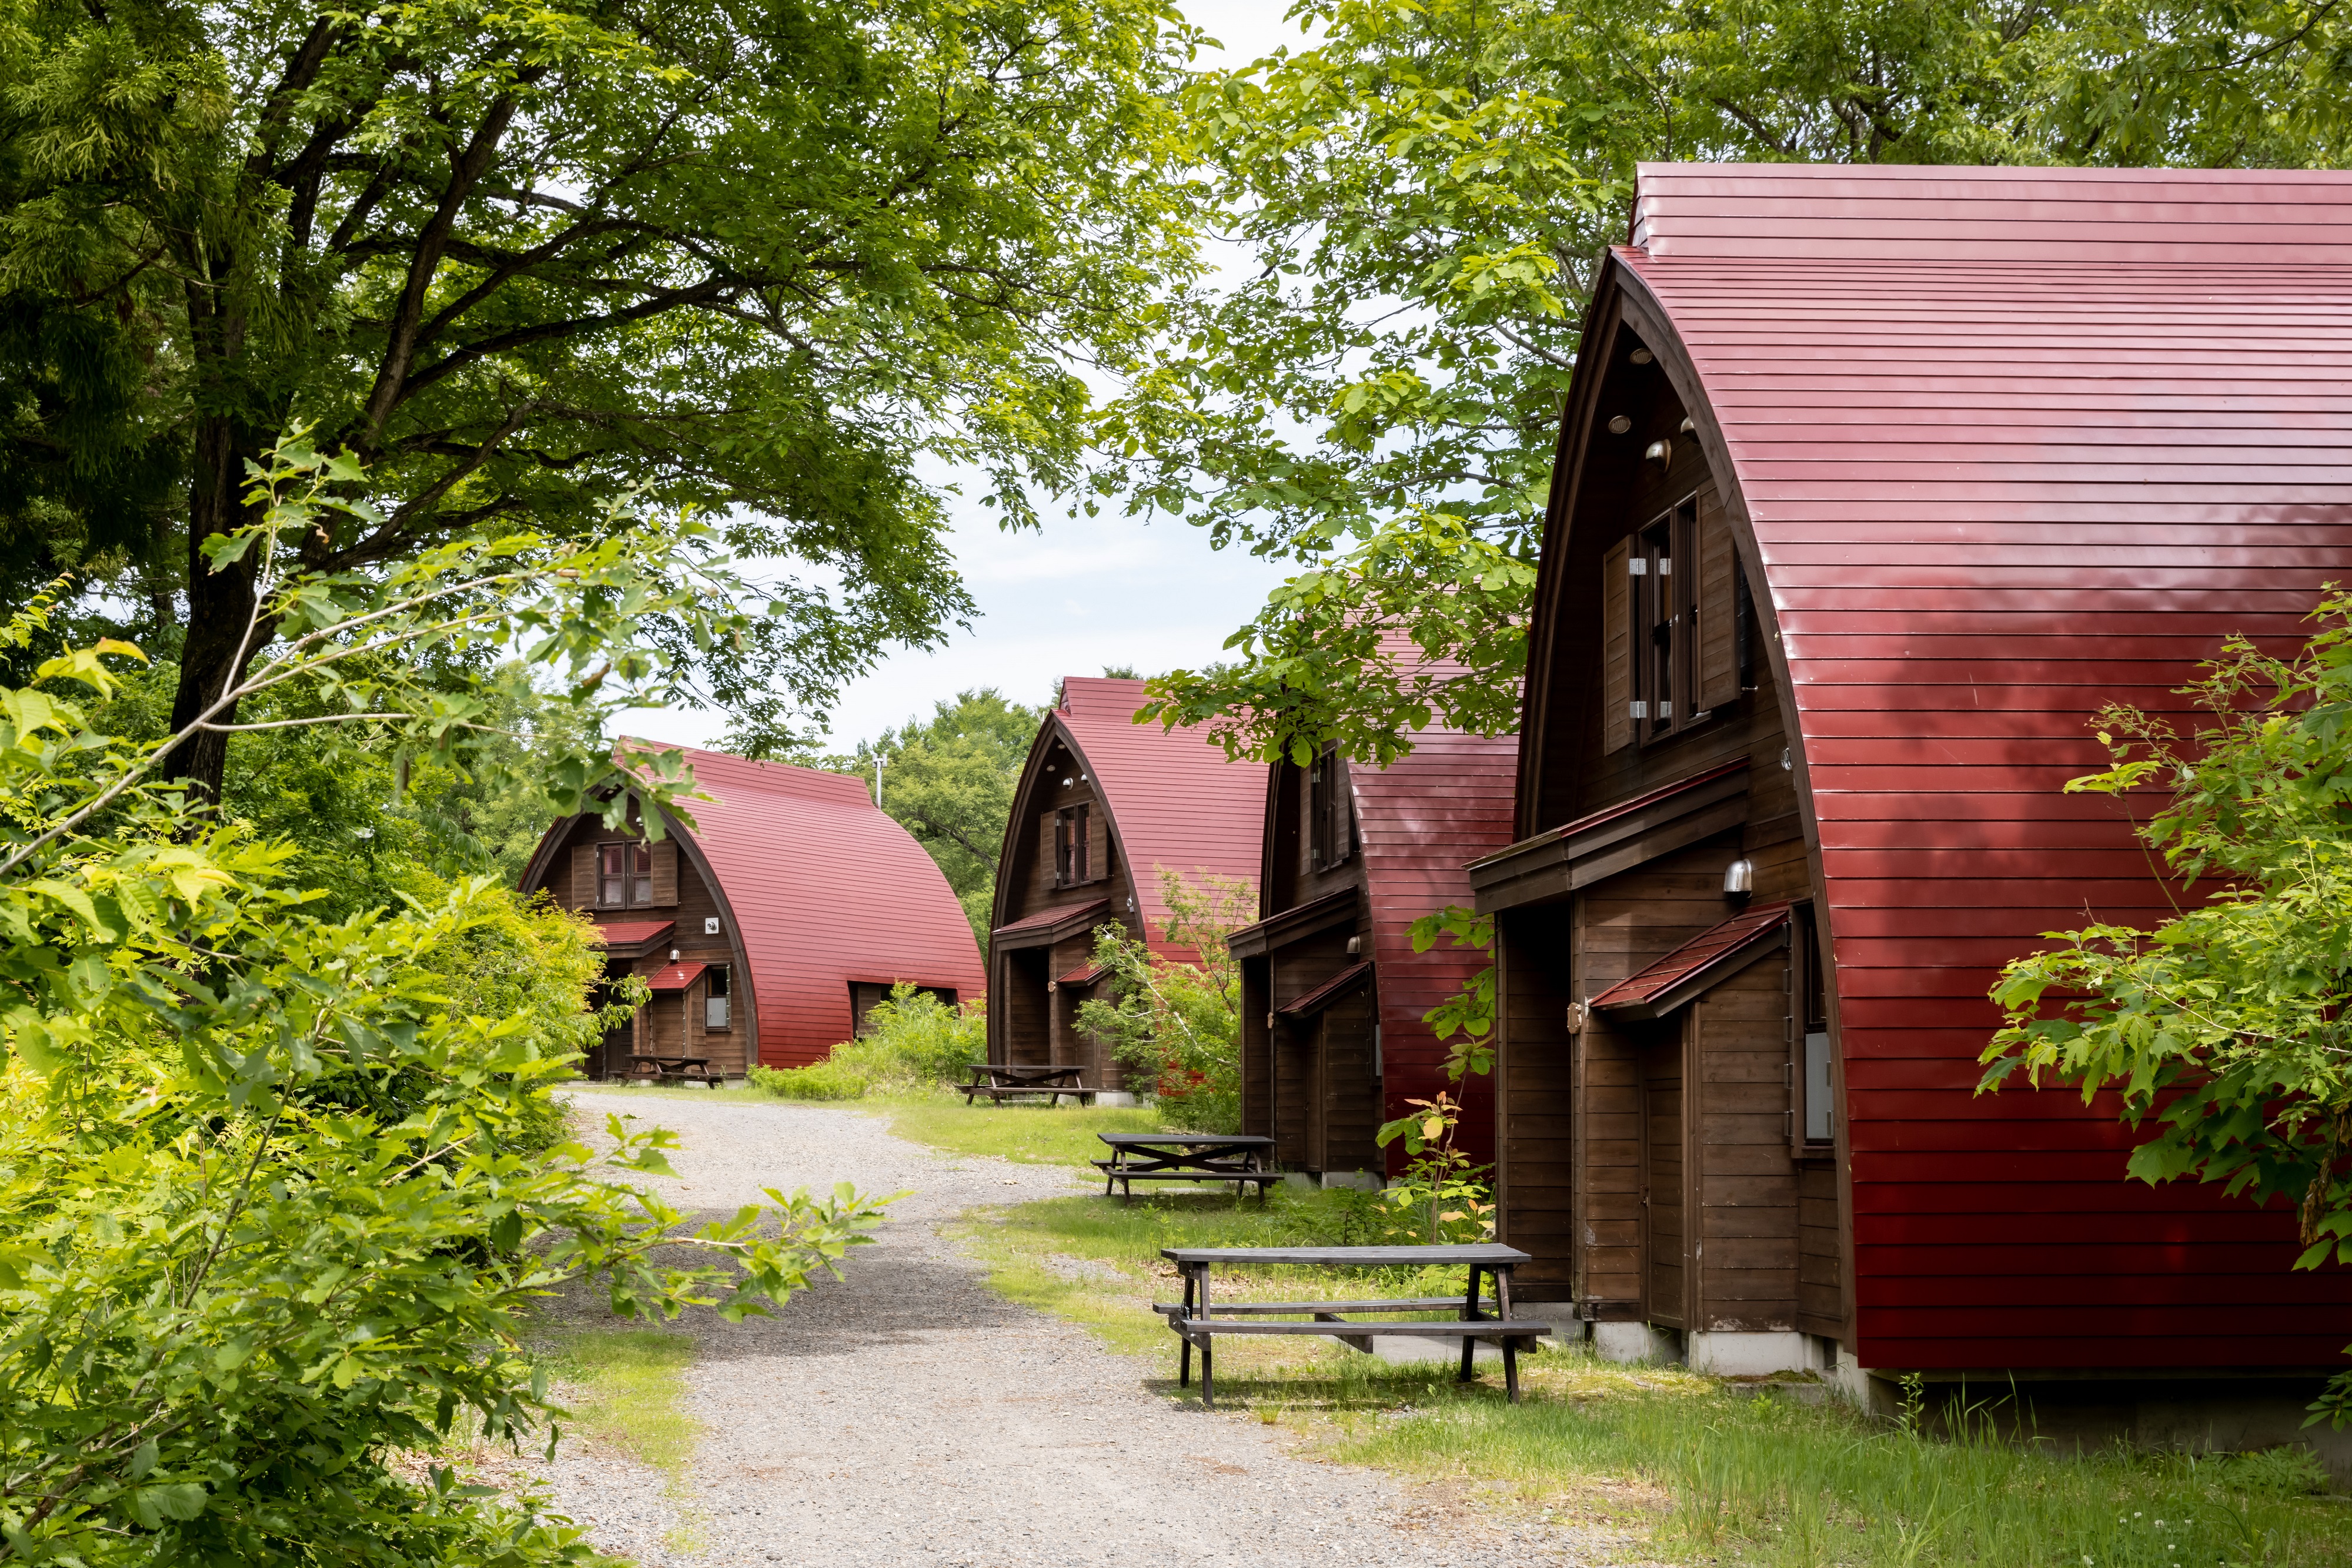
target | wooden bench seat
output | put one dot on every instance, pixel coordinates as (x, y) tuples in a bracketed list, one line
[(1000, 1092), (1480, 1315), (1274, 1309)]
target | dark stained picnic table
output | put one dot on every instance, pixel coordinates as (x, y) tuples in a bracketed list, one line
[(675, 1069), (1004, 1080), (1239, 1158), (1196, 1322)]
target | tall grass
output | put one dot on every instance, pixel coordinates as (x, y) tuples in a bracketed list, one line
[(1769, 1482)]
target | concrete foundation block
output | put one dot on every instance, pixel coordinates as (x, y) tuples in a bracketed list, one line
[(1298, 1180), (1398, 1351), (1752, 1354), (1114, 1097), (1635, 1343), (1362, 1181), (1567, 1328)]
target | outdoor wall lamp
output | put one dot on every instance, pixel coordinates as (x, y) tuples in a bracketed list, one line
[(1620, 423), (1643, 356), (1660, 453), (1739, 877)]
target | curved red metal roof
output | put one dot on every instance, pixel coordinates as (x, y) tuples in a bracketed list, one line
[(2013, 443), (1174, 800), (1421, 819), (824, 889)]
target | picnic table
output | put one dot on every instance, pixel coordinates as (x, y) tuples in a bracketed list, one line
[(675, 1069), (1005, 1081), (1199, 1319), (1239, 1158)]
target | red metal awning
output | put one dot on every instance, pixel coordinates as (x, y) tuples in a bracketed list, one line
[(676, 977), (1690, 968), (1085, 976), (633, 933), (1329, 991)]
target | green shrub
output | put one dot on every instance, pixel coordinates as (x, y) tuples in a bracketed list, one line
[(1177, 1026), (818, 1081), (913, 1041)]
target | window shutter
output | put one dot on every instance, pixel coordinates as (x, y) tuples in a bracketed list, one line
[(1097, 844), (1616, 647), (1049, 848), (583, 876), (1717, 590), (666, 872)]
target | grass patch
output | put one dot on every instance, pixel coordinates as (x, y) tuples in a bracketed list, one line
[(1703, 1474), (630, 1394), (1033, 1134)]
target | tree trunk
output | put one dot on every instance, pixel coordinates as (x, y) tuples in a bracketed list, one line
[(220, 603)]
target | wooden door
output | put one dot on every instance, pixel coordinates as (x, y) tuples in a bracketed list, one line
[(1350, 1084), (1318, 1092), (1292, 1046), (1665, 1249)]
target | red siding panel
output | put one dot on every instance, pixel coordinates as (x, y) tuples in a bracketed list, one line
[(1422, 819), (2014, 443)]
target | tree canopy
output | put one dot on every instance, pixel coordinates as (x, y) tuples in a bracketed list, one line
[(743, 258), (1422, 196), (949, 780)]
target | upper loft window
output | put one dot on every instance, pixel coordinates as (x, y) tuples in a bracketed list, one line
[(1330, 811), (1071, 846), (1677, 625), (1666, 696), (625, 877)]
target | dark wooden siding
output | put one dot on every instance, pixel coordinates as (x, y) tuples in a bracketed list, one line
[(670, 1025), (1535, 1078)]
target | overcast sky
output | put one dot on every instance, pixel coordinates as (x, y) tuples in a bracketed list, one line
[(1085, 593)]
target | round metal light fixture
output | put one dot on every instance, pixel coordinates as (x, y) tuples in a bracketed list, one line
[(1643, 356), (1618, 424), (1690, 425), (1660, 453), (1739, 877)]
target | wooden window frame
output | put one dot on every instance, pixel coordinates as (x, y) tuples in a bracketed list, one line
[(1330, 811), (630, 863), (1662, 661), (1071, 845), (1811, 1066)]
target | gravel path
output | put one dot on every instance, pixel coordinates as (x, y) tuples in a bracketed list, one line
[(905, 1416)]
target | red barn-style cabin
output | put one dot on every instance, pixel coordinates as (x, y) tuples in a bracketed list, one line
[(768, 928), (1874, 484), (1103, 807), (1334, 1042)]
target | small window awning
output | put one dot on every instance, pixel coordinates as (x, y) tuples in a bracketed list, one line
[(1048, 926), (618, 933), (676, 978), (1329, 991), (1085, 975), (1709, 957)]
